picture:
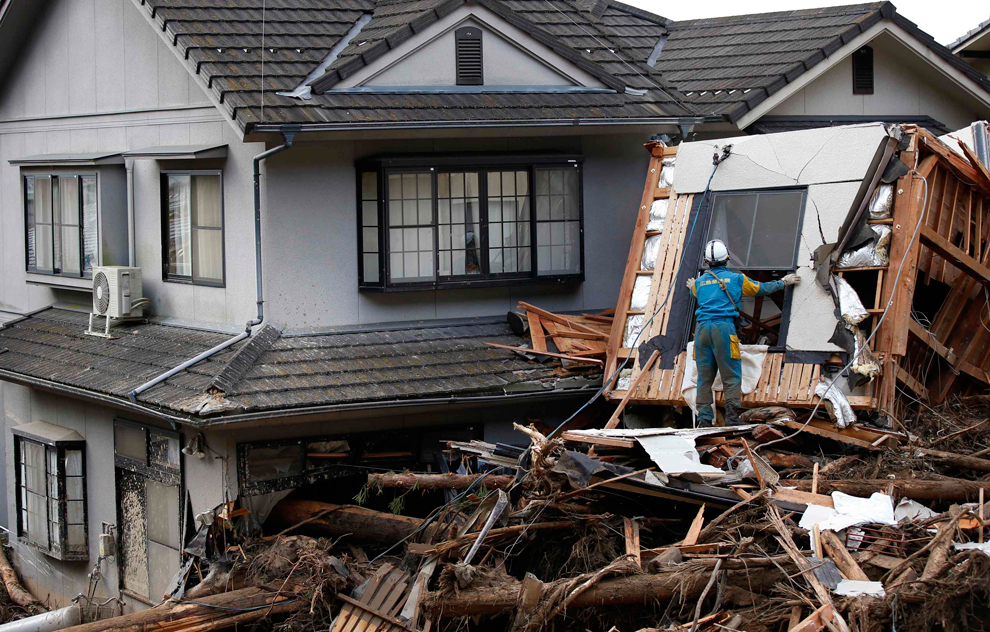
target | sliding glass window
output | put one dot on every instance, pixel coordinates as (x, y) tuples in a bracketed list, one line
[(192, 218), (61, 214)]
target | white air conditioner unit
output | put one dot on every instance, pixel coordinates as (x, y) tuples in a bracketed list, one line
[(116, 295)]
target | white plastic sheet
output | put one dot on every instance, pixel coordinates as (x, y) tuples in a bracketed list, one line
[(651, 250), (658, 215), (882, 201), (849, 304), (634, 325), (752, 367), (967, 546), (676, 454), (857, 588), (641, 293), (908, 510), (667, 173), (849, 511), (841, 409)]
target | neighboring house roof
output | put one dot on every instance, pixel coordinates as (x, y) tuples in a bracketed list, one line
[(776, 123), (982, 29), (729, 65), (223, 43), (270, 373)]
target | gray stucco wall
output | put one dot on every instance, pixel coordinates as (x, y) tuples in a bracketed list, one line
[(904, 84), (311, 226)]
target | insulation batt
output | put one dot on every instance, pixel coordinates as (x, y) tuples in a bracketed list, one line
[(658, 214), (651, 250), (882, 202), (641, 293), (873, 253), (667, 173), (849, 304), (841, 410), (634, 325)]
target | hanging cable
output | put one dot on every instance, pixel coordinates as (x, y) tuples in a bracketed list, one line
[(886, 309), (717, 160)]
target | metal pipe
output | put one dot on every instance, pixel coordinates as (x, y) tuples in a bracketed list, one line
[(46, 621), (288, 133), (131, 257)]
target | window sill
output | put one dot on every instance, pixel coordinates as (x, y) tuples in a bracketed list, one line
[(471, 284), (191, 282), (79, 284), (64, 557)]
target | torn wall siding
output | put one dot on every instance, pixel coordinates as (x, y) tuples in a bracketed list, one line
[(831, 162)]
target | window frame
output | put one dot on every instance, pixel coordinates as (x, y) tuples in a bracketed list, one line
[(58, 545), (382, 166), (167, 276), (170, 477), (797, 234), (52, 177)]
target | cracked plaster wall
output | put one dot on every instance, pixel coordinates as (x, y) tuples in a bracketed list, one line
[(830, 162)]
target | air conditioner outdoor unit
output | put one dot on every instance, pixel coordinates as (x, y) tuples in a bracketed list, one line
[(116, 295)]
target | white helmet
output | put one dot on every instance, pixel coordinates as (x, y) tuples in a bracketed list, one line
[(716, 253)]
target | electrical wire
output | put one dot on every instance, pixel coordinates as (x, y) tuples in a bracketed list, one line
[(646, 325), (886, 309)]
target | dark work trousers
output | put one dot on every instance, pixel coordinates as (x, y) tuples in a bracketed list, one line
[(716, 350)]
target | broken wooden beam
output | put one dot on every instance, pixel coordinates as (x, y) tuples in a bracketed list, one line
[(951, 458), (843, 559), (549, 354), (952, 489), (408, 480), (633, 589), (954, 255), (363, 525)]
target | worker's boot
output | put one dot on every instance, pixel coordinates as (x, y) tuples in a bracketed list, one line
[(732, 413)]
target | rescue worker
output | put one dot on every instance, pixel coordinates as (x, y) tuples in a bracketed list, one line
[(716, 345)]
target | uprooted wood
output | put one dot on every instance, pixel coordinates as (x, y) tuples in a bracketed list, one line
[(408, 480), (15, 590)]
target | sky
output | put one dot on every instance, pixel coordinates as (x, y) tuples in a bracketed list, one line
[(946, 20)]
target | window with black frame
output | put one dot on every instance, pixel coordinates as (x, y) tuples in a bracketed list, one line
[(192, 227), (149, 483), (51, 490), (762, 230), (61, 219), (450, 223)]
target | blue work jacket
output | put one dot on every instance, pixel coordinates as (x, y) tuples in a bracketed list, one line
[(713, 304)]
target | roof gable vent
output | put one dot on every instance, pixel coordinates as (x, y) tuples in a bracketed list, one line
[(862, 62), (470, 62)]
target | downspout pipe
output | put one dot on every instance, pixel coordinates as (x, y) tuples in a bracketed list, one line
[(131, 257), (288, 133)]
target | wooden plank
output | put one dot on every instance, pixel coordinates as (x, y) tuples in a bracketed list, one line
[(536, 331), (661, 193), (568, 321), (613, 421), (802, 498), (550, 354), (611, 442), (373, 612), (954, 255), (929, 339), (773, 386), (694, 531), (634, 258), (835, 435), (818, 620), (978, 166), (630, 529)]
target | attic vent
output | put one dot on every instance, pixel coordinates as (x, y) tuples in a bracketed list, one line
[(470, 66), (862, 61)]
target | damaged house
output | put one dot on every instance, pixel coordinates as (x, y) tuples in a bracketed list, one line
[(371, 186)]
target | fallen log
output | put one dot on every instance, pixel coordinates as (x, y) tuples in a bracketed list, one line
[(953, 489), (951, 458), (334, 521), (633, 589), (18, 594), (214, 612), (408, 480)]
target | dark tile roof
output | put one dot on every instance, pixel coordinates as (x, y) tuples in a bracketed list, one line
[(728, 65), (270, 372), (222, 41)]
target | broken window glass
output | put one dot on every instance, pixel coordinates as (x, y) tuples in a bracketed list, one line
[(51, 491), (760, 229), (264, 464)]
